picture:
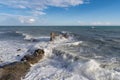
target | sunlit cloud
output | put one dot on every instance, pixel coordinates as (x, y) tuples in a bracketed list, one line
[(39, 5), (26, 20), (9, 19)]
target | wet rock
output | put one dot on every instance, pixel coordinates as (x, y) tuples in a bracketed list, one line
[(65, 35), (18, 49), (14, 71), (1, 60), (53, 35), (8, 77), (76, 58), (35, 57), (18, 55), (33, 40)]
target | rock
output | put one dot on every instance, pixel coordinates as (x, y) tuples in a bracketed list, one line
[(18, 49), (18, 55), (8, 77), (14, 71), (65, 35), (1, 60), (35, 57), (76, 58), (53, 35), (33, 40)]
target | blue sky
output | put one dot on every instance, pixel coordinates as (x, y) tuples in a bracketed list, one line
[(59, 12)]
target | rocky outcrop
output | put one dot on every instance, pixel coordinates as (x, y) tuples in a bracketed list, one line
[(53, 35), (34, 58), (32, 40), (16, 70)]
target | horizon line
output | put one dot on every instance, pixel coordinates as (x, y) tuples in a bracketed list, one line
[(59, 25)]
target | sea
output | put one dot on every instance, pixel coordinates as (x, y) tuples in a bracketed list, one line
[(89, 53)]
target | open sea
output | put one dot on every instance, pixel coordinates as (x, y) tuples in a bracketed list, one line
[(90, 52)]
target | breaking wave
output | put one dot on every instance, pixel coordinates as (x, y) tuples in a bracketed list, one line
[(64, 61), (31, 37)]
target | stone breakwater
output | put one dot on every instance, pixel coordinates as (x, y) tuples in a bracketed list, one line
[(16, 70)]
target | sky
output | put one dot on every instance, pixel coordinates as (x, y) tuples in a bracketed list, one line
[(59, 12)]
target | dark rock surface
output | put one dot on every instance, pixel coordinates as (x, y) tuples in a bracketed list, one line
[(35, 57), (53, 35), (14, 71), (18, 49)]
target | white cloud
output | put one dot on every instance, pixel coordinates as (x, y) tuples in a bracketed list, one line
[(42, 3), (32, 20), (100, 23), (33, 8), (26, 20), (94, 23), (39, 5), (64, 3), (36, 13), (11, 19), (21, 6)]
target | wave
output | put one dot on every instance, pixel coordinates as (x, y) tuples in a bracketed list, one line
[(29, 37), (61, 64), (26, 36), (59, 38), (2, 32), (93, 71)]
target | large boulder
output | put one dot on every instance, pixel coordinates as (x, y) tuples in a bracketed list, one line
[(35, 57), (14, 71)]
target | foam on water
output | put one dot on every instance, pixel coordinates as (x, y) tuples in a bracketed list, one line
[(9, 53), (2, 32), (60, 65), (31, 37), (26, 36)]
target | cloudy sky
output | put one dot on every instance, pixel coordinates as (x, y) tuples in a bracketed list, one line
[(59, 12)]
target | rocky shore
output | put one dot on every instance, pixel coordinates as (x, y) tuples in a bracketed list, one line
[(17, 70)]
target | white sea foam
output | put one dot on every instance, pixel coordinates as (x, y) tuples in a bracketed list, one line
[(59, 69), (2, 32), (31, 37), (93, 71), (8, 51), (26, 36)]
